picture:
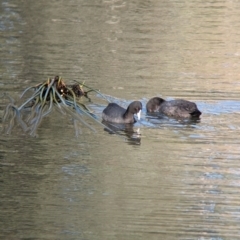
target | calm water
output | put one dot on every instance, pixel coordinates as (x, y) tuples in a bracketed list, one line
[(163, 179)]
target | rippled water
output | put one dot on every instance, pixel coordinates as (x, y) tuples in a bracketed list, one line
[(161, 179)]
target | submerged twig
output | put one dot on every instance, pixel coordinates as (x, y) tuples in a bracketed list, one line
[(93, 90)]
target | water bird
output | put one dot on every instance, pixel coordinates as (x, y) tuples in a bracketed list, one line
[(116, 114), (178, 108)]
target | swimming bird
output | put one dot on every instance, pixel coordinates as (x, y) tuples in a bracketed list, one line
[(117, 114), (178, 108)]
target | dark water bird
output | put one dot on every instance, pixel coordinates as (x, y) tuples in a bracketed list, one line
[(178, 108), (117, 114)]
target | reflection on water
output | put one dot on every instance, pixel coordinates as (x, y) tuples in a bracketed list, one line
[(182, 181), (126, 130)]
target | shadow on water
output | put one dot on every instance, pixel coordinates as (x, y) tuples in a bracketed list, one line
[(158, 118), (132, 136)]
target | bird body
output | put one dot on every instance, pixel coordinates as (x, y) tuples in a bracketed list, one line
[(178, 108), (117, 114)]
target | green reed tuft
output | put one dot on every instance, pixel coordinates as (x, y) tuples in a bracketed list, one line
[(53, 93)]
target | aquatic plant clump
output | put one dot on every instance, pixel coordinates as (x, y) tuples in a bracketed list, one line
[(47, 95)]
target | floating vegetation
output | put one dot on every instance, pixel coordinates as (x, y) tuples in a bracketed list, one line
[(53, 93)]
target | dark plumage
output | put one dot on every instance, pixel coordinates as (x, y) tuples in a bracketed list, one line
[(117, 114), (174, 108)]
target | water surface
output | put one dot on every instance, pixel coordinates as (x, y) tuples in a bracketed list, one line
[(163, 179)]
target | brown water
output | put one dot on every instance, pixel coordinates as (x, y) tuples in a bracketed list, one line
[(177, 180)]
